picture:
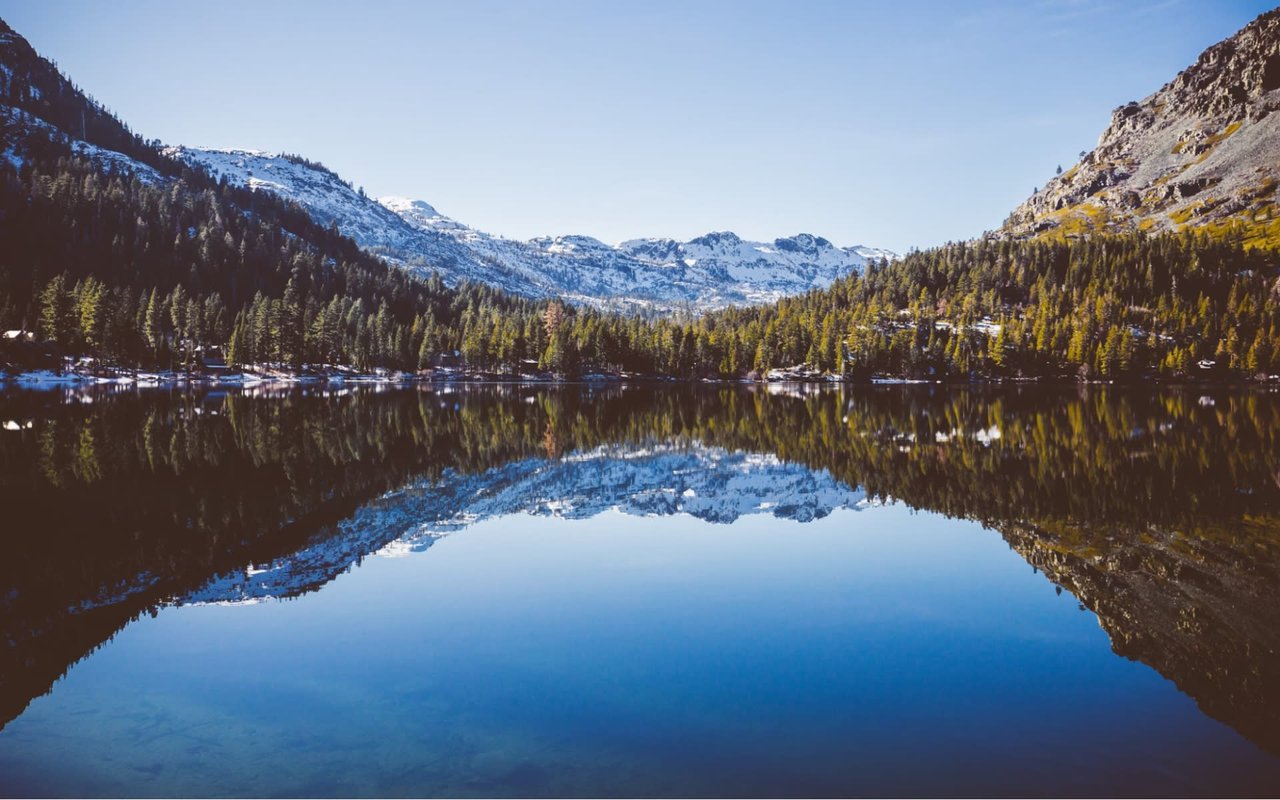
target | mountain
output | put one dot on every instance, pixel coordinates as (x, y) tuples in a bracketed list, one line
[(1202, 152), (112, 247), (165, 253), (44, 116), (706, 273)]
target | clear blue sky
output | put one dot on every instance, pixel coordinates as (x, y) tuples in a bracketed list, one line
[(896, 124)]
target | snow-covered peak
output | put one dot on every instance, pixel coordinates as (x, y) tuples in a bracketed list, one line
[(418, 212), (570, 244), (659, 251), (804, 243), (872, 253), (717, 240), (405, 206), (326, 196), (709, 272)]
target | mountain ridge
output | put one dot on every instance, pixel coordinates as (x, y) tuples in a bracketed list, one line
[(709, 272), (41, 102)]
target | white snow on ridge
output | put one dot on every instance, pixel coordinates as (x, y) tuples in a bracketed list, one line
[(16, 120), (772, 269), (326, 196), (706, 273), (420, 214)]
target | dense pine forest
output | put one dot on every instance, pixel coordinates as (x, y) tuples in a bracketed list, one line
[(153, 274), (146, 262)]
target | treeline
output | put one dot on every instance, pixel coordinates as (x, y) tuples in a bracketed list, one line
[(1109, 306), (1112, 307), (143, 272)]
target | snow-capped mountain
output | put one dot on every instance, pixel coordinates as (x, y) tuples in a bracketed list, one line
[(712, 484), (709, 272)]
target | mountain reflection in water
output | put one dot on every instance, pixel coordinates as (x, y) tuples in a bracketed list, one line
[(1158, 510)]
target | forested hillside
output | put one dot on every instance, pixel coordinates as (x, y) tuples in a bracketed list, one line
[(110, 248), (1109, 306)]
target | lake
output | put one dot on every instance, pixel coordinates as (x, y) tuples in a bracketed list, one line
[(652, 590)]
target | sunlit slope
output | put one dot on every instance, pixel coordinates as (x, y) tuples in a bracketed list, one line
[(1202, 152)]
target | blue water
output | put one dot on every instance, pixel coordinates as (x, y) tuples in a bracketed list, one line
[(877, 651)]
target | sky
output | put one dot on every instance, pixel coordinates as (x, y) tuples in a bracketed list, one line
[(892, 124)]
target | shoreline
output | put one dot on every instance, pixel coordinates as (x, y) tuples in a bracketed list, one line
[(48, 380)]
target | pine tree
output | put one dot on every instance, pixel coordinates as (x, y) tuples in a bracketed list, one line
[(57, 313)]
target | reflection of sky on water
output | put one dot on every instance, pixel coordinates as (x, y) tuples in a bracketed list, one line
[(869, 652)]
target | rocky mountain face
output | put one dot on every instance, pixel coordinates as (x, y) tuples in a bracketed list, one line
[(1202, 152), (709, 272)]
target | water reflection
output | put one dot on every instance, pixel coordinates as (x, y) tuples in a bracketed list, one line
[(1159, 511)]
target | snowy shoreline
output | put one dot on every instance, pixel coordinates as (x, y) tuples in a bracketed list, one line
[(777, 380), (48, 379)]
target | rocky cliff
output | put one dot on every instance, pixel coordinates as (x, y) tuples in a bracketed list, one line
[(1202, 152)]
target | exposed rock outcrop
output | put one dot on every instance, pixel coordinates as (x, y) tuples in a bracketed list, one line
[(1203, 151)]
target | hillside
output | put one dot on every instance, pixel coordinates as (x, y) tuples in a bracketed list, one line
[(706, 273), (1202, 152), (112, 248)]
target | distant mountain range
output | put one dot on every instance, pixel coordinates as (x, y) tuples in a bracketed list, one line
[(1202, 152), (649, 275), (709, 272)]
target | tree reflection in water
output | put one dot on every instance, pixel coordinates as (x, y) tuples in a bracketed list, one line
[(1158, 510)]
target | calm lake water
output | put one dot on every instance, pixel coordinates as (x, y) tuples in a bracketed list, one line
[(673, 591)]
